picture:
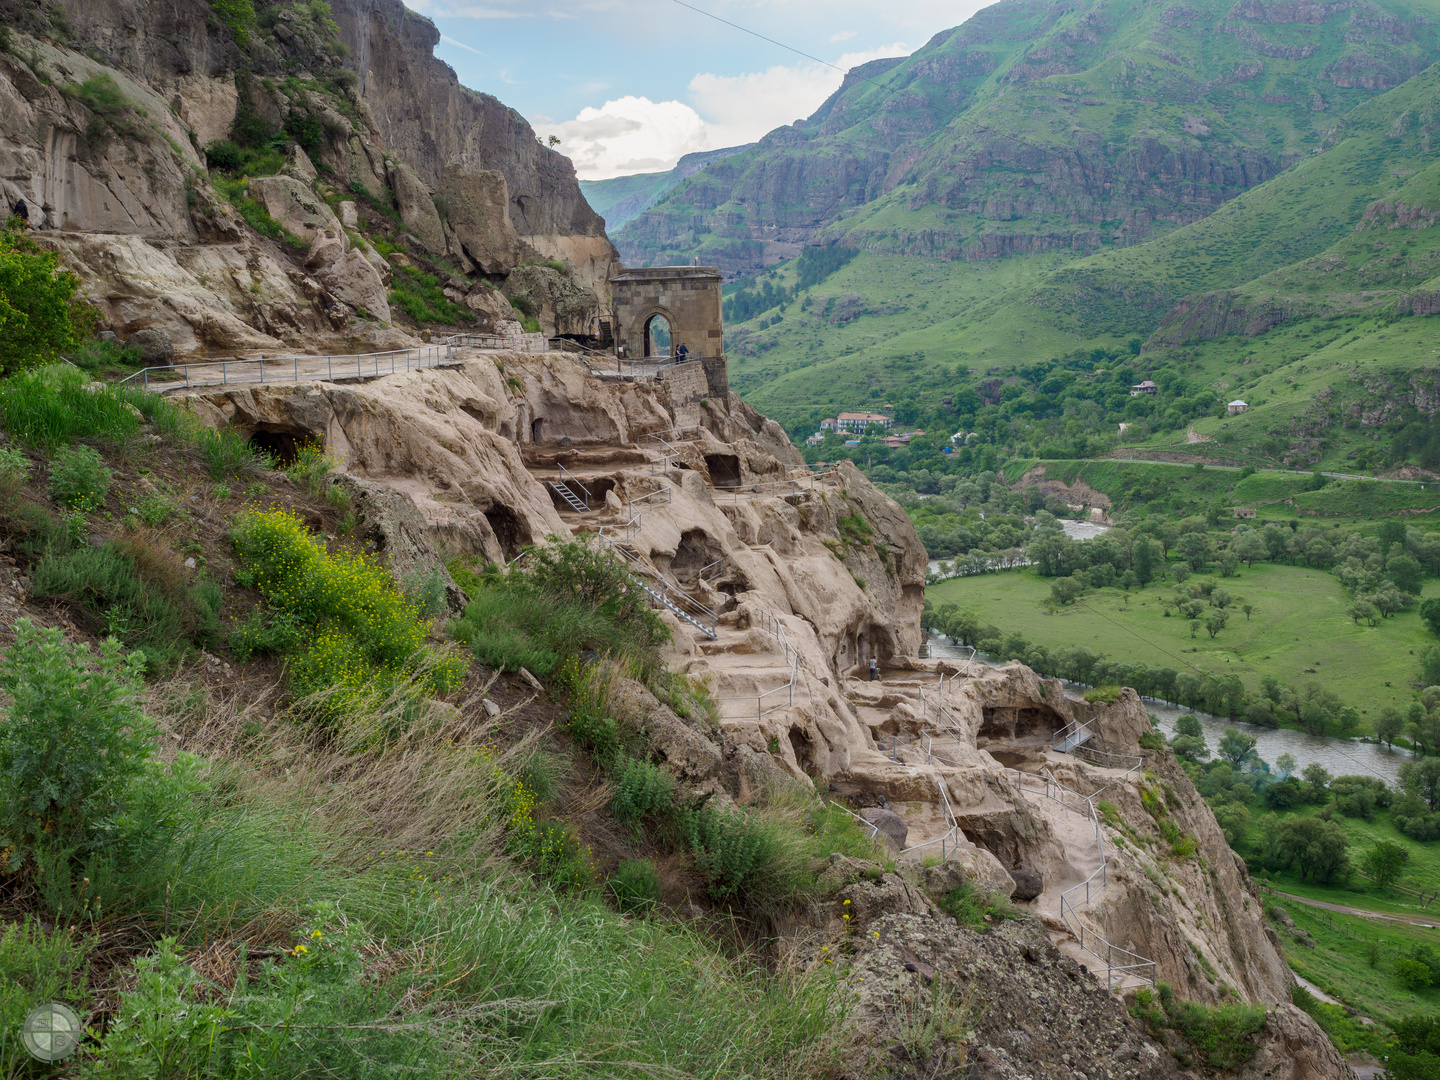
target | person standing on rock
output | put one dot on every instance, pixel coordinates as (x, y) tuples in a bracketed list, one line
[(682, 354), (874, 669)]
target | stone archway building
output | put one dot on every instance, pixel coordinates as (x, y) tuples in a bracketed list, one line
[(688, 297)]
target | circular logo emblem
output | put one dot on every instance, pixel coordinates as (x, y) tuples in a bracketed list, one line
[(52, 1032)]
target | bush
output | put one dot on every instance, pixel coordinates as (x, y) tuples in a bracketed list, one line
[(312, 464), (79, 479), (81, 796), (570, 597), (1414, 974), (746, 859), (35, 967), (363, 636), (134, 590), (1416, 1052), (635, 886), (642, 790), (421, 297), (971, 906), (227, 453), (1103, 695), (40, 315), (1220, 1034)]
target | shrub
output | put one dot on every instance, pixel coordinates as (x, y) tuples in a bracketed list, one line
[(362, 634), (238, 16), (79, 479), (570, 597), (111, 113), (134, 590), (642, 790), (225, 453), (421, 297), (1219, 1034), (35, 967), (80, 792), (1415, 1054), (1103, 695), (745, 858), (312, 464), (971, 906), (1414, 974), (105, 359), (635, 886)]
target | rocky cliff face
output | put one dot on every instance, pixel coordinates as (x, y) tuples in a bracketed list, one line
[(108, 111), (803, 580)]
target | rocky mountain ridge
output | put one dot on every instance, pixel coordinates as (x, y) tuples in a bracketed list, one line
[(114, 110), (1036, 127)]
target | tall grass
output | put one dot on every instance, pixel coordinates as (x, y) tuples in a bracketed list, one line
[(49, 408)]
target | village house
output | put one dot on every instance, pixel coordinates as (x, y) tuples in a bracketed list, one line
[(1146, 387), (1236, 407), (859, 421)]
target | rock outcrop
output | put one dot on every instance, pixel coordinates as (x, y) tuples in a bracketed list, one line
[(104, 131)]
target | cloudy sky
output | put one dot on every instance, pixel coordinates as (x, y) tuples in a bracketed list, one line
[(630, 85)]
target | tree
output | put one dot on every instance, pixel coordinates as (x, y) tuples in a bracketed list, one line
[(1317, 776), (1236, 747), (1233, 819), (1285, 765), (1415, 1054), (1422, 778), (1066, 590), (1404, 571), (1216, 622), (1196, 549), (1249, 546), (39, 313), (1430, 613), (1430, 666), (1314, 849), (1189, 738), (1247, 607), (1229, 563), (1362, 611), (1146, 556), (1388, 725), (1384, 863)]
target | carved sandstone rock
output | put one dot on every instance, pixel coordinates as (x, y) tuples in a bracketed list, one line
[(294, 205), (417, 208)]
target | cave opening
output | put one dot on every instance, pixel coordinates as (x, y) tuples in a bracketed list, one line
[(510, 531), (282, 444), (803, 749), (537, 430), (724, 470)]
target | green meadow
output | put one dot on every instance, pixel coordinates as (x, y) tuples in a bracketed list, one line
[(1298, 631)]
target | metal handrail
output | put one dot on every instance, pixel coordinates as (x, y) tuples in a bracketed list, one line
[(523, 343), (761, 711), (1129, 762), (948, 839), (678, 434), (367, 365), (705, 570), (564, 473), (1069, 913), (777, 487)]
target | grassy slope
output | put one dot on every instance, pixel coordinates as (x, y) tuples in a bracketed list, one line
[(1340, 962), (1042, 308), (1299, 623), (1275, 496)]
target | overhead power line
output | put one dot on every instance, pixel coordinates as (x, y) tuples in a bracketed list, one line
[(788, 48)]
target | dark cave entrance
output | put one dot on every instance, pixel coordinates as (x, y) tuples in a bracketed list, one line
[(510, 532), (724, 470), (537, 430), (283, 445)]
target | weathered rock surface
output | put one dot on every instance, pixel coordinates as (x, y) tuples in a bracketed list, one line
[(155, 348), (888, 824), (294, 204), (417, 208), (478, 205), (348, 275)]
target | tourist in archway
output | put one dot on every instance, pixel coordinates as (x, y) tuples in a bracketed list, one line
[(683, 353)]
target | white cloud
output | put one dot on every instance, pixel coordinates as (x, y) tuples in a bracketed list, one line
[(635, 134), (629, 135), (843, 35), (460, 45)]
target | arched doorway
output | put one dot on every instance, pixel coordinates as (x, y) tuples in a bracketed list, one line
[(657, 336)]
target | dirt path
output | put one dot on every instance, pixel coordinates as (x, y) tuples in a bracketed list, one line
[(1413, 920)]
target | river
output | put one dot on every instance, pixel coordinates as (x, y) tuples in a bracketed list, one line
[(1341, 757)]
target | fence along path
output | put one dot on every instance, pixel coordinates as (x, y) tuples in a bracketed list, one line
[(272, 369), (1123, 968)]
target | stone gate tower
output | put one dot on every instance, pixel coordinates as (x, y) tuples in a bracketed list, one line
[(686, 297)]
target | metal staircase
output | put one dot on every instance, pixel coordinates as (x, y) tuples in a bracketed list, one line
[(579, 503), (1076, 733)]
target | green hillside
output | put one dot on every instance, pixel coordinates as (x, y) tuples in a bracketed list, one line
[(1040, 127)]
